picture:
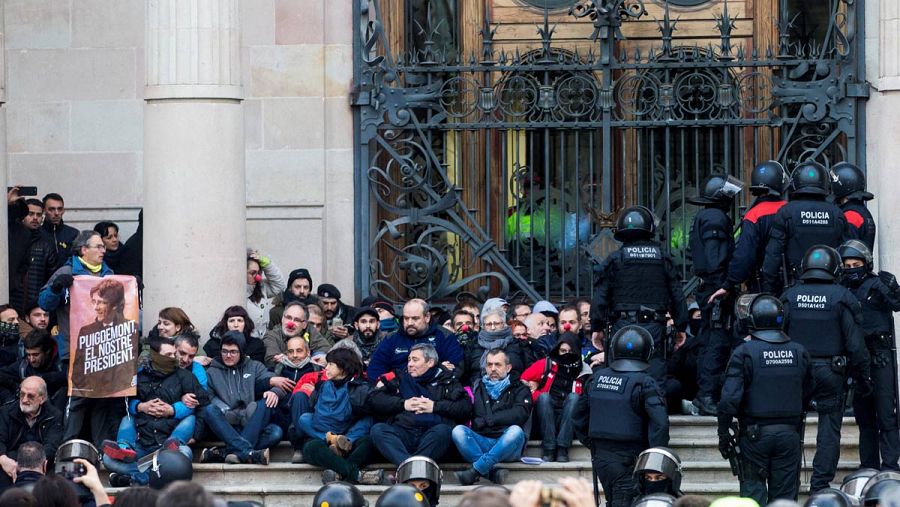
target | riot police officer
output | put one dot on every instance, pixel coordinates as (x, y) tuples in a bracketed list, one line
[(823, 318), (638, 284), (339, 494), (402, 495), (829, 497), (712, 244), (658, 470), (850, 194), (767, 385), (876, 415), (625, 413), (807, 220)]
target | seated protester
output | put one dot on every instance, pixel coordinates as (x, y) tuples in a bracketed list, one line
[(337, 314), (502, 408), (337, 426), (471, 307), (237, 319), (387, 317), (35, 318), (494, 334), (681, 367), (40, 360), (537, 326), (237, 415), (521, 311), (570, 322), (299, 288), (32, 419), (295, 364), (555, 384), (161, 419), (464, 327), (316, 318), (440, 317), (9, 335), (172, 321), (391, 354), (294, 322), (546, 342), (366, 335), (31, 465), (421, 406)]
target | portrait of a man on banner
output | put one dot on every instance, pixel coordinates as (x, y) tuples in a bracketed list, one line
[(104, 323)]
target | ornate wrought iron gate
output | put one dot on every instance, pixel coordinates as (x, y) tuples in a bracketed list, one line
[(501, 172)]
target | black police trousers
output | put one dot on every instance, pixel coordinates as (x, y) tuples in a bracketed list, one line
[(829, 398), (613, 464), (878, 425), (770, 463), (717, 341)]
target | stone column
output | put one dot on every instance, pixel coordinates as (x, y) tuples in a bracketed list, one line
[(4, 232), (194, 189)]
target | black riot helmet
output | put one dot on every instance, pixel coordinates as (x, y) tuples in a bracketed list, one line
[(718, 189), (828, 497), (854, 483), (655, 500), (880, 491), (768, 178), (761, 316), (631, 348), (169, 466), (820, 262), (339, 494), (811, 178), (402, 495), (856, 249), (422, 468), (634, 223), (887, 475), (849, 182), (661, 460)]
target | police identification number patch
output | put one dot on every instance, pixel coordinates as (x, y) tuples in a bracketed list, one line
[(785, 357), (611, 383), (641, 252)]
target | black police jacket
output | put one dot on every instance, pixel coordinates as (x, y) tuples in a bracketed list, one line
[(798, 225), (750, 249), (151, 384), (878, 302), (638, 275), (513, 407), (824, 318), (712, 245), (766, 383), (452, 404), (49, 429), (862, 225), (624, 407)]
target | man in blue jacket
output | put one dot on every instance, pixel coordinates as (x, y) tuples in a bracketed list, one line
[(416, 328)]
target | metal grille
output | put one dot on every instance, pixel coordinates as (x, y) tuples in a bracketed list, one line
[(502, 172)]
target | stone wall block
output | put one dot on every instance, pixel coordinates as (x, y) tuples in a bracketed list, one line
[(287, 71)]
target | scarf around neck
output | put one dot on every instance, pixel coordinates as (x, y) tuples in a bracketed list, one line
[(91, 267), (489, 340), (495, 388)]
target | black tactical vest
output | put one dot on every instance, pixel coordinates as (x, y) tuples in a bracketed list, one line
[(811, 223), (711, 225), (815, 317), (613, 396), (776, 388), (638, 277)]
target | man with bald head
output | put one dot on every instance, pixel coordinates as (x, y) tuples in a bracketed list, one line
[(538, 326), (32, 419), (415, 327)]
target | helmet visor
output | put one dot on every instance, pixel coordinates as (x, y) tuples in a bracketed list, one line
[(731, 187), (743, 305)]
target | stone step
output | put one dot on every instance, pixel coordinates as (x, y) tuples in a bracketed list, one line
[(686, 426)]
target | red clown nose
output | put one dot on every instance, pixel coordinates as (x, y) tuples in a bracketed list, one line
[(464, 328), (258, 277), (567, 327), (291, 326)]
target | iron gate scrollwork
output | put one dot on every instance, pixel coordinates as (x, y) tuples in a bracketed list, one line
[(500, 171)]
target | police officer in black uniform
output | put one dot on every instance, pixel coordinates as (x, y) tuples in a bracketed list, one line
[(876, 415), (712, 245), (625, 413), (767, 386), (823, 318), (807, 220), (638, 284), (850, 194)]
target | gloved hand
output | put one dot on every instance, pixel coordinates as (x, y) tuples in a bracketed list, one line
[(889, 280), (62, 282), (865, 387), (724, 447), (264, 261)]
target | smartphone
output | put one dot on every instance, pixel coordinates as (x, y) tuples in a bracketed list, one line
[(25, 191)]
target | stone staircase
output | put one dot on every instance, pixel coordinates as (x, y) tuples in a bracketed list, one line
[(282, 484)]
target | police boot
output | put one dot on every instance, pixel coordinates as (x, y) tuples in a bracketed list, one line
[(705, 405)]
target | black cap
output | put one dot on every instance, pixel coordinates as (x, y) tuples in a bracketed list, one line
[(299, 273), (365, 310), (326, 290), (379, 304)]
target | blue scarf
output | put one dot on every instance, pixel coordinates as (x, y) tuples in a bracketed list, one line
[(495, 387), (388, 325)]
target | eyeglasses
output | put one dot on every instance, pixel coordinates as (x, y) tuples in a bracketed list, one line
[(101, 246), (494, 325), (230, 352)]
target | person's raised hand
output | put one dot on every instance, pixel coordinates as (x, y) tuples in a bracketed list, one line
[(526, 494)]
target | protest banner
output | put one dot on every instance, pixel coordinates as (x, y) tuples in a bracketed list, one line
[(104, 342)]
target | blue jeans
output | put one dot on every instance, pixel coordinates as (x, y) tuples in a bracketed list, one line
[(557, 429), (127, 435), (483, 452), (141, 478), (257, 434), (358, 430)]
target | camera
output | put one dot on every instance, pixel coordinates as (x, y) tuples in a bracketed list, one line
[(70, 470), (66, 467)]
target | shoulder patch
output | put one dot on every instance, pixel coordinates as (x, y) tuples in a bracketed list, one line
[(763, 209), (855, 219)]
